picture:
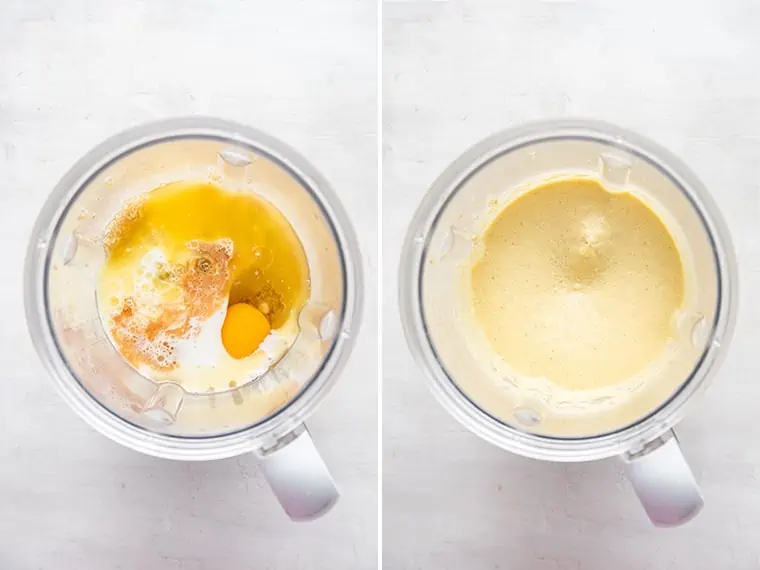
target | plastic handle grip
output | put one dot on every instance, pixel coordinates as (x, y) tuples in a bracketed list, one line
[(298, 476), (664, 482)]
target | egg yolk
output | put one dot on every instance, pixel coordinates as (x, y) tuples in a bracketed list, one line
[(244, 329)]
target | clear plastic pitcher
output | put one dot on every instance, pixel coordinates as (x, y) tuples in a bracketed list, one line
[(463, 371), (264, 416)]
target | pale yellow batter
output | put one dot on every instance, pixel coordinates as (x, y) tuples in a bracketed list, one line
[(578, 285)]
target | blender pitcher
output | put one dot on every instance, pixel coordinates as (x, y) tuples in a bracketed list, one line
[(264, 416), (467, 376)]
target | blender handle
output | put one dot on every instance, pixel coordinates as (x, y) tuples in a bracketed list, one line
[(664, 482), (298, 476)]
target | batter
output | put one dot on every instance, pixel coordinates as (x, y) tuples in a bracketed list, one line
[(578, 285)]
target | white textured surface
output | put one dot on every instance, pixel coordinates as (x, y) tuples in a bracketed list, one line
[(455, 72), (74, 72)]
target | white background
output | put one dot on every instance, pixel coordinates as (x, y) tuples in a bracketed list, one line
[(682, 73), (74, 72)]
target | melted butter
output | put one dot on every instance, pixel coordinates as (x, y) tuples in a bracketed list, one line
[(578, 285)]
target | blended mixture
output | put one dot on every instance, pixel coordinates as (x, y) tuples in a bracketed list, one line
[(202, 286), (578, 285)]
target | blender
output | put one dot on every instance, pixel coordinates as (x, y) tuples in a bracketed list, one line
[(264, 416), (466, 376)]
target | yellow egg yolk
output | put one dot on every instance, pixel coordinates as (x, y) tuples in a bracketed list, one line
[(244, 329)]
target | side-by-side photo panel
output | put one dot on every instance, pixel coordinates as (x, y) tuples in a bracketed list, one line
[(569, 206), (191, 209)]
